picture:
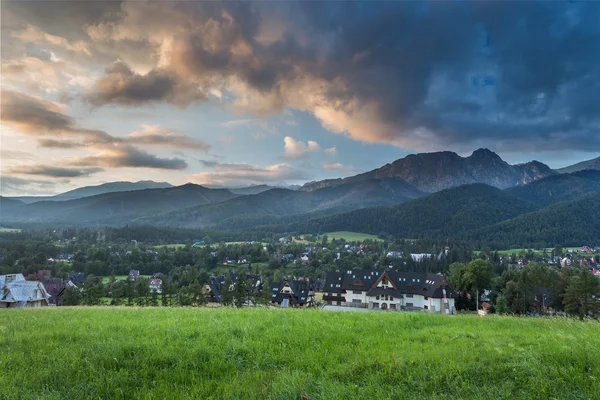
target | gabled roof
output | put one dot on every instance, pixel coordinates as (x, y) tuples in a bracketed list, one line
[(21, 291)]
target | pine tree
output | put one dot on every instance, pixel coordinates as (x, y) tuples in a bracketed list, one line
[(581, 296), (241, 291), (225, 291)]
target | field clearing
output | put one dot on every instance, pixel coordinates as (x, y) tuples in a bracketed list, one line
[(6, 230), (539, 252), (202, 353), (106, 279), (351, 236)]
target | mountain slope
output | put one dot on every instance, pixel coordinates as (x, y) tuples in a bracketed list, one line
[(254, 189), (569, 223), (557, 188), (8, 204), (593, 164), (431, 172), (282, 202), (445, 213), (117, 207), (87, 191)]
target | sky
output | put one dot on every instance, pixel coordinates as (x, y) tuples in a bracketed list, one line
[(233, 94)]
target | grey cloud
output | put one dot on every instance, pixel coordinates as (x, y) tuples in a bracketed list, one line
[(12, 185), (123, 86), (243, 174), (46, 121), (52, 171), (116, 156)]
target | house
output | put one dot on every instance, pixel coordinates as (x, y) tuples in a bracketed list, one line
[(77, 278), (134, 274), (215, 288), (421, 257), (56, 288), (292, 293), (155, 286), (15, 291), (394, 254), (390, 290)]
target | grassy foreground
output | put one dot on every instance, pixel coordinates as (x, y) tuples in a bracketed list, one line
[(190, 353)]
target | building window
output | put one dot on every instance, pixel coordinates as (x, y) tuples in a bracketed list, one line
[(356, 300), (357, 292), (426, 298), (409, 296), (391, 298), (393, 306), (377, 297), (425, 307), (409, 304), (375, 305)]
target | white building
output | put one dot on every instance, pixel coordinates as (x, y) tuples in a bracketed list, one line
[(390, 291)]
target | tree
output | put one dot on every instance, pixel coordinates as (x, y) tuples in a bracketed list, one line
[(581, 296), (225, 291), (93, 289), (71, 296), (501, 306), (478, 275), (240, 291), (142, 288)]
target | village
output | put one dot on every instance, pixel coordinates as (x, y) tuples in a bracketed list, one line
[(367, 275)]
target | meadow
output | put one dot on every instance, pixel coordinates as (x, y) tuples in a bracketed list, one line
[(351, 236), (202, 353)]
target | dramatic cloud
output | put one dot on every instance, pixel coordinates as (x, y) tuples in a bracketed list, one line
[(523, 73), (52, 171), (32, 34), (243, 174), (42, 118), (122, 85)]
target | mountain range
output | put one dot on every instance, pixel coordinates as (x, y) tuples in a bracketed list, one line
[(87, 191), (431, 172), (422, 195)]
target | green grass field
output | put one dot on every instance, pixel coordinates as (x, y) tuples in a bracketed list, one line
[(351, 236), (191, 353)]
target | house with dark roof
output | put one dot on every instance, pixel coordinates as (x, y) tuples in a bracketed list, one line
[(15, 291), (134, 274), (77, 279), (56, 288), (215, 287), (292, 293), (390, 290)]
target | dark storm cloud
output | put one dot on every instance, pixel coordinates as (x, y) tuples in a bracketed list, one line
[(519, 75)]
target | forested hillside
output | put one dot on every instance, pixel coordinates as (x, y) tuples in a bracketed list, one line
[(557, 188), (569, 223), (445, 213), (284, 202)]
